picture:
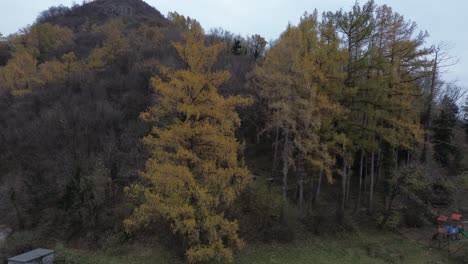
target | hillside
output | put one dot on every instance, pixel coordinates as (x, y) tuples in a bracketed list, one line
[(71, 136), (100, 11), (86, 121), (121, 128)]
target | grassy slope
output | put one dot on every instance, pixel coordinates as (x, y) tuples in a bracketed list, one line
[(375, 248)]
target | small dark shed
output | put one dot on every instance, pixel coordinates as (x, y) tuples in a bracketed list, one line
[(37, 256)]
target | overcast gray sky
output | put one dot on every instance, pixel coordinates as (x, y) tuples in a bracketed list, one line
[(444, 20)]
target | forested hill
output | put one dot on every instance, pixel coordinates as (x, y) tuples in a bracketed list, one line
[(101, 11), (119, 124)]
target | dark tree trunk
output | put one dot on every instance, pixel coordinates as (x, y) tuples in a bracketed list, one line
[(300, 184), (428, 125), (343, 189), (371, 184), (285, 158), (366, 173), (361, 171), (379, 167), (275, 156), (319, 186), (348, 183)]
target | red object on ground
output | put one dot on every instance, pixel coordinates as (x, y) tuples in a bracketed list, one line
[(442, 218), (455, 216)]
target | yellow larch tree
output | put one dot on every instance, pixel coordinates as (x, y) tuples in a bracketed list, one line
[(114, 46), (28, 68), (20, 74), (295, 82), (47, 37), (194, 173)]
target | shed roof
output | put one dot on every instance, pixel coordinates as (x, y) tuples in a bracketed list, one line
[(32, 255), (442, 218)]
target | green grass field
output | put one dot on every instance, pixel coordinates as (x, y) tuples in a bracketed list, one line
[(375, 248), (388, 248)]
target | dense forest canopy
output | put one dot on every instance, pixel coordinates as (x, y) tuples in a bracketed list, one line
[(116, 120)]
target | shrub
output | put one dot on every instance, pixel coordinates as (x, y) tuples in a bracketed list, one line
[(20, 242), (393, 222), (258, 211), (66, 257)]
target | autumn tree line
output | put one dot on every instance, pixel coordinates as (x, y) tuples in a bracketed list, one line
[(141, 125)]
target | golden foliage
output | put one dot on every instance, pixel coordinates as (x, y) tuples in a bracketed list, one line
[(47, 37), (20, 74), (23, 72), (295, 80), (51, 70), (180, 21), (152, 34), (194, 173), (113, 47)]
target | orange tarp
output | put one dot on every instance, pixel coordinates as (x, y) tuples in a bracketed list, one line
[(455, 216)]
